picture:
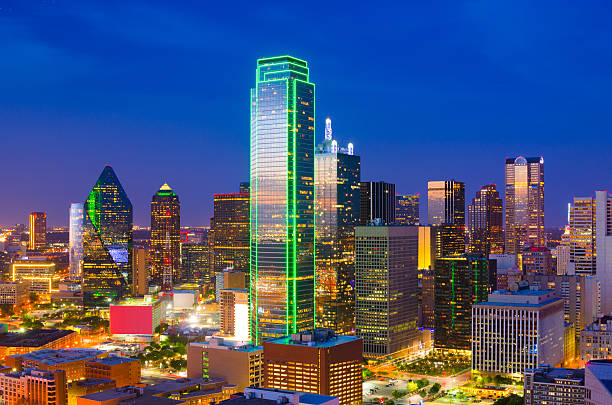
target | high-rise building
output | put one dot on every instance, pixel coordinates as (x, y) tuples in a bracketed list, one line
[(524, 203), (107, 241), (195, 262), (38, 231), (165, 238), (230, 231), (239, 363), (317, 362), (517, 330), (234, 313), (282, 276), (583, 257), (140, 273), (485, 222), (407, 209), (446, 203), (245, 187), (596, 340), (75, 244), (460, 281), (536, 260), (337, 179), (603, 236), (38, 273), (386, 304), (563, 252), (427, 256), (377, 202)]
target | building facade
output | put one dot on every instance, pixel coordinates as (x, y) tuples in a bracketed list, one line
[(536, 260), (75, 241), (234, 313), (38, 273), (603, 236), (140, 272), (485, 222), (107, 241), (407, 209), (377, 202), (337, 191), (34, 386), (386, 304), (460, 281), (230, 232), (524, 203), (165, 238), (583, 257), (282, 264), (559, 386), (38, 231), (446, 203), (517, 330), (317, 362), (596, 340), (196, 262)]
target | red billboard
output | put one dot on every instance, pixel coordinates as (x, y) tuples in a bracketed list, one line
[(131, 319)]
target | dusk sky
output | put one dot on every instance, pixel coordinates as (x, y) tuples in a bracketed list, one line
[(431, 90)]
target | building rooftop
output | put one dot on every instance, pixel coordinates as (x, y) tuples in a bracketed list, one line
[(134, 395), (90, 382), (270, 396), (32, 337), (178, 385), (552, 375), (225, 344), (316, 338), (59, 356), (602, 370), (112, 360), (521, 296)]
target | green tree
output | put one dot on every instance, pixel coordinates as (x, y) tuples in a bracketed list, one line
[(397, 394), (33, 297), (435, 389), (512, 399)]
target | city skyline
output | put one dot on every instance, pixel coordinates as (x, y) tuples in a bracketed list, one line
[(461, 110)]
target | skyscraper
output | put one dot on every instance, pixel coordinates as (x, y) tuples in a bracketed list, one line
[(75, 244), (107, 241), (195, 262), (282, 277), (603, 236), (407, 209), (165, 238), (446, 203), (485, 222), (230, 232), (582, 249), (377, 202), (38, 231), (524, 203), (337, 177), (386, 304)]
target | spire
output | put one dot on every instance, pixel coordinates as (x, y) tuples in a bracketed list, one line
[(165, 187), (328, 129)]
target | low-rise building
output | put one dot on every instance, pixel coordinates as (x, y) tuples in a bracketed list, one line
[(559, 386), (266, 396), (13, 293), (596, 340), (34, 386), (72, 361), (38, 273), (536, 260), (135, 319), (238, 363), (517, 330), (123, 370), (88, 386), (15, 343), (598, 382)]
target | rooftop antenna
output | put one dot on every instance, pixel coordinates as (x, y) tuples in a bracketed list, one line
[(334, 147), (328, 129), (350, 148)]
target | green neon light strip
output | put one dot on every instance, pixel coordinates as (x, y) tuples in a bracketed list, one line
[(287, 224), (294, 130), (453, 303)]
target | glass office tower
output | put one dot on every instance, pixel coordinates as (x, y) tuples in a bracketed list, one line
[(107, 241), (337, 178), (407, 209), (485, 222), (75, 244), (165, 238), (38, 231), (230, 232), (524, 204), (282, 273)]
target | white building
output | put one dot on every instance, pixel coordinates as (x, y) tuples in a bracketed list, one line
[(598, 382), (603, 236), (517, 330)]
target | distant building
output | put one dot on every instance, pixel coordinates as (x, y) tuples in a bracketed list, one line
[(563, 252), (386, 304), (603, 236), (123, 370), (13, 293), (485, 222), (38, 231), (34, 386), (460, 281), (582, 226), (88, 386), (196, 265), (241, 364), (268, 396), (227, 279), (377, 202), (234, 313), (72, 361), (598, 382), (165, 238), (446, 203), (38, 273), (316, 362), (524, 219), (230, 232), (140, 273), (407, 209), (517, 330), (559, 386), (135, 319), (427, 256), (537, 260), (184, 300), (75, 241), (107, 241), (596, 340), (17, 343)]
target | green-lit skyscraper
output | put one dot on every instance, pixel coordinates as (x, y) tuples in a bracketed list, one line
[(107, 241), (282, 276)]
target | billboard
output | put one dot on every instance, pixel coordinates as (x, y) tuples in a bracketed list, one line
[(131, 319)]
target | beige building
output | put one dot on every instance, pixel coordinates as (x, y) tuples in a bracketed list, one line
[(71, 361), (123, 370), (13, 293), (235, 313), (239, 363), (34, 386), (140, 281), (38, 273)]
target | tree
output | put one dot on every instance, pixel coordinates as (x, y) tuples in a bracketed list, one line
[(397, 394), (389, 402), (33, 297), (512, 399), (7, 309), (435, 389)]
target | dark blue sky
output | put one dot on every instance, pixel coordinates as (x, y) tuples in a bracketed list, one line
[(426, 91)]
